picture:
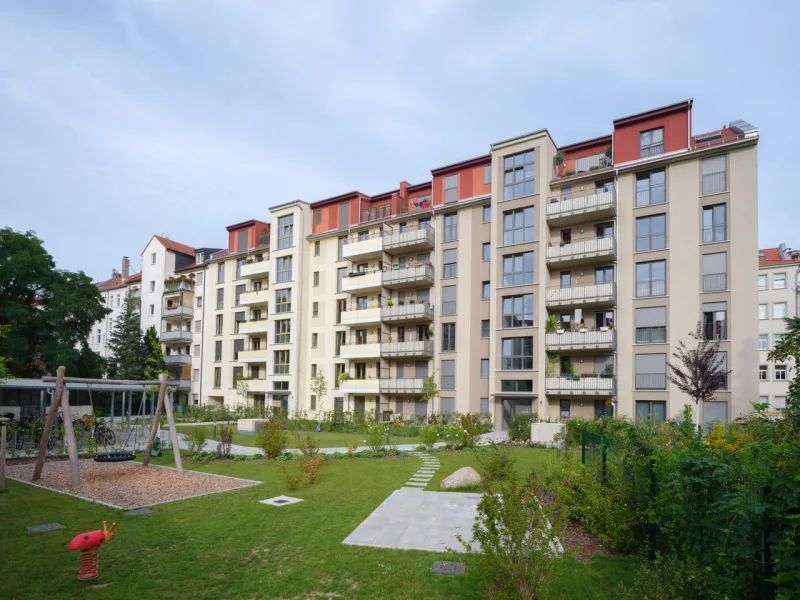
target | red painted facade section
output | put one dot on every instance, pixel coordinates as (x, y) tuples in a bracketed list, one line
[(676, 134), (470, 179), (254, 231), (579, 150)]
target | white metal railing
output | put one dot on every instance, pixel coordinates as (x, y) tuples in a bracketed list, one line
[(597, 201), (593, 246), (407, 311), (581, 385), (401, 386), (408, 274), (408, 238), (601, 292), (576, 339), (412, 348), (173, 287)]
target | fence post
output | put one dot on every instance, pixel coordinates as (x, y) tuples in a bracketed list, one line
[(651, 527), (583, 446), (603, 444)]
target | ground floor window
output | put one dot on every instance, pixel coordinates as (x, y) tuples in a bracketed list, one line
[(651, 410), (564, 409)]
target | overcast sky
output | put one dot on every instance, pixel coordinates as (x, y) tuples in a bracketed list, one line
[(120, 119)]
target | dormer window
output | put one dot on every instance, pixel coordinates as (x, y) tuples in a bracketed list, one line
[(199, 258), (651, 143)]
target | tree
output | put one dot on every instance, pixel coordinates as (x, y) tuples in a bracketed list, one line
[(789, 347), (700, 372), (242, 387), (4, 372), (430, 390), (52, 311), (153, 355), (319, 387), (127, 358)]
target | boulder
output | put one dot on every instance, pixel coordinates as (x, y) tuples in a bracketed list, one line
[(461, 478)]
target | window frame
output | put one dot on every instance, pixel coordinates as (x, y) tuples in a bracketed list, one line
[(283, 269), (641, 176), (513, 274), (651, 246), (651, 148), (523, 229), (450, 190), (448, 337), (285, 232), (280, 367), (517, 359), (450, 233), (282, 333), (283, 301), (509, 318), (526, 167)]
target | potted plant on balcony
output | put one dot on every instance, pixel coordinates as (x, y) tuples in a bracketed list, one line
[(604, 328), (608, 373), (343, 377), (551, 324), (412, 301), (592, 374), (558, 159), (401, 302), (389, 303), (582, 327), (396, 266)]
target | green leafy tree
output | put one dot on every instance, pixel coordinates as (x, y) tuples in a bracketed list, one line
[(789, 347), (319, 387), (154, 357), (430, 390), (127, 358), (4, 372), (52, 311)]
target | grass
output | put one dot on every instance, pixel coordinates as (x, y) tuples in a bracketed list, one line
[(326, 439), (229, 546)]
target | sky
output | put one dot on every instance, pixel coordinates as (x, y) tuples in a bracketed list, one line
[(121, 119)]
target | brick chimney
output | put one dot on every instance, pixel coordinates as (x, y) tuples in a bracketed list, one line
[(126, 267)]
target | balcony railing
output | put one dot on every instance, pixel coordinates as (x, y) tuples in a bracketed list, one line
[(177, 360), (362, 281), (174, 287), (401, 386), (257, 384), (575, 340), (714, 183), (651, 335), (714, 233), (421, 348), (257, 356), (651, 150), (254, 326), (584, 294), (376, 213), (655, 241), (410, 275), (401, 312), (416, 238), (581, 385), (655, 287), (355, 350), (415, 205), (363, 245), (715, 282), (651, 381), (583, 249), (597, 201), (176, 336), (169, 312), (715, 331), (252, 297), (255, 269)]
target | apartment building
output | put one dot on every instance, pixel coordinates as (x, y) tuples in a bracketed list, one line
[(113, 292), (778, 286)]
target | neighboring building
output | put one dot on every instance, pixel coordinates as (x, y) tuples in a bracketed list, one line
[(113, 292), (778, 286)]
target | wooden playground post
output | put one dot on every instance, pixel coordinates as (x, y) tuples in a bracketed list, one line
[(48, 424), (162, 390), (69, 433), (3, 435), (174, 436)]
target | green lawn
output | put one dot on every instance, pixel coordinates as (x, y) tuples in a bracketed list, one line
[(326, 439), (229, 546)]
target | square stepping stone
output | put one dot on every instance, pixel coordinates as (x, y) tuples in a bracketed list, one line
[(47, 527), (280, 501), (415, 484), (446, 567), (138, 512)]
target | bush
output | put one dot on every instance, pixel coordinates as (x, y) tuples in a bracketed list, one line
[(376, 436), (311, 465), (309, 447), (496, 464), (195, 440), (455, 436), (519, 426), (471, 425), (226, 439), (292, 477), (272, 439), (351, 449), (518, 547), (429, 435)]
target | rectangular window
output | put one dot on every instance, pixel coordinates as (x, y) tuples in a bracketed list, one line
[(485, 328), (763, 373), (484, 406), (344, 215), (651, 188), (651, 279), (715, 272), (451, 189), (517, 353), (285, 231), (487, 213), (341, 306), (487, 174), (195, 375), (651, 410), (714, 180), (313, 340), (316, 248), (518, 311), (762, 282), (651, 325), (316, 278), (238, 346), (341, 273), (449, 300), (318, 216), (779, 281), (563, 406), (448, 375), (281, 362), (283, 301), (153, 258), (486, 290), (218, 325), (450, 267), (448, 337), (196, 350), (283, 331), (518, 269), (239, 263), (487, 251), (238, 291), (218, 351), (779, 310), (778, 337), (763, 342), (722, 361), (715, 321), (762, 312), (284, 269), (485, 368), (651, 233), (451, 227), (519, 175), (714, 224), (199, 302), (518, 226), (315, 309), (516, 385), (313, 371), (239, 318), (152, 309), (198, 326), (313, 402), (220, 298), (217, 377), (152, 286), (651, 371), (221, 272), (651, 143), (241, 240)]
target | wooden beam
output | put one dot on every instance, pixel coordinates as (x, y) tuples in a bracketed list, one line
[(162, 390), (69, 433), (48, 424), (173, 434), (101, 381), (3, 434)]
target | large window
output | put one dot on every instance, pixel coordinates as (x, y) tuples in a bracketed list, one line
[(451, 227), (518, 226), (518, 269), (281, 365), (487, 213), (779, 310), (283, 331), (284, 269), (518, 311), (714, 224), (651, 233), (651, 325), (285, 231), (715, 272), (451, 189), (715, 320), (283, 301), (239, 318), (779, 281), (516, 385), (517, 353), (448, 337), (449, 263), (651, 279), (780, 372), (519, 175), (762, 312), (651, 410), (651, 143), (220, 298), (449, 300), (714, 175), (448, 374), (485, 328), (651, 188), (651, 371), (237, 294)]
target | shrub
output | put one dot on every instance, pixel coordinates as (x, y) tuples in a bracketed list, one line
[(272, 439), (195, 440), (311, 465), (472, 429), (309, 447), (455, 436), (496, 464), (518, 547), (226, 439), (519, 426), (292, 477), (376, 436), (429, 435), (351, 449)]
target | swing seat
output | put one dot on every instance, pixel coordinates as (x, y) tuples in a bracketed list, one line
[(110, 457)]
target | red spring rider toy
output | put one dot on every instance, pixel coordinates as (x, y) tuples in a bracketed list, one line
[(89, 545)]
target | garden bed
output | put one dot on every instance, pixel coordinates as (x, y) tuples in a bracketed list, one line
[(125, 485)]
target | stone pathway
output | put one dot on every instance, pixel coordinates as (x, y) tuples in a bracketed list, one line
[(429, 467)]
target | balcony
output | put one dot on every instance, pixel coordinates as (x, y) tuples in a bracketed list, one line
[(175, 336), (418, 312), (651, 381), (360, 386), (593, 250), (257, 385), (254, 326), (583, 295), (402, 386), (575, 341), (352, 351), (362, 282), (256, 269), (177, 312), (409, 241), (252, 356), (176, 287), (363, 247), (254, 298), (599, 204), (715, 282), (370, 315), (418, 348), (600, 385), (178, 360), (408, 277), (181, 384)]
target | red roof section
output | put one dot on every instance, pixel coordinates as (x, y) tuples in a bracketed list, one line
[(118, 282), (175, 246), (772, 256)]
